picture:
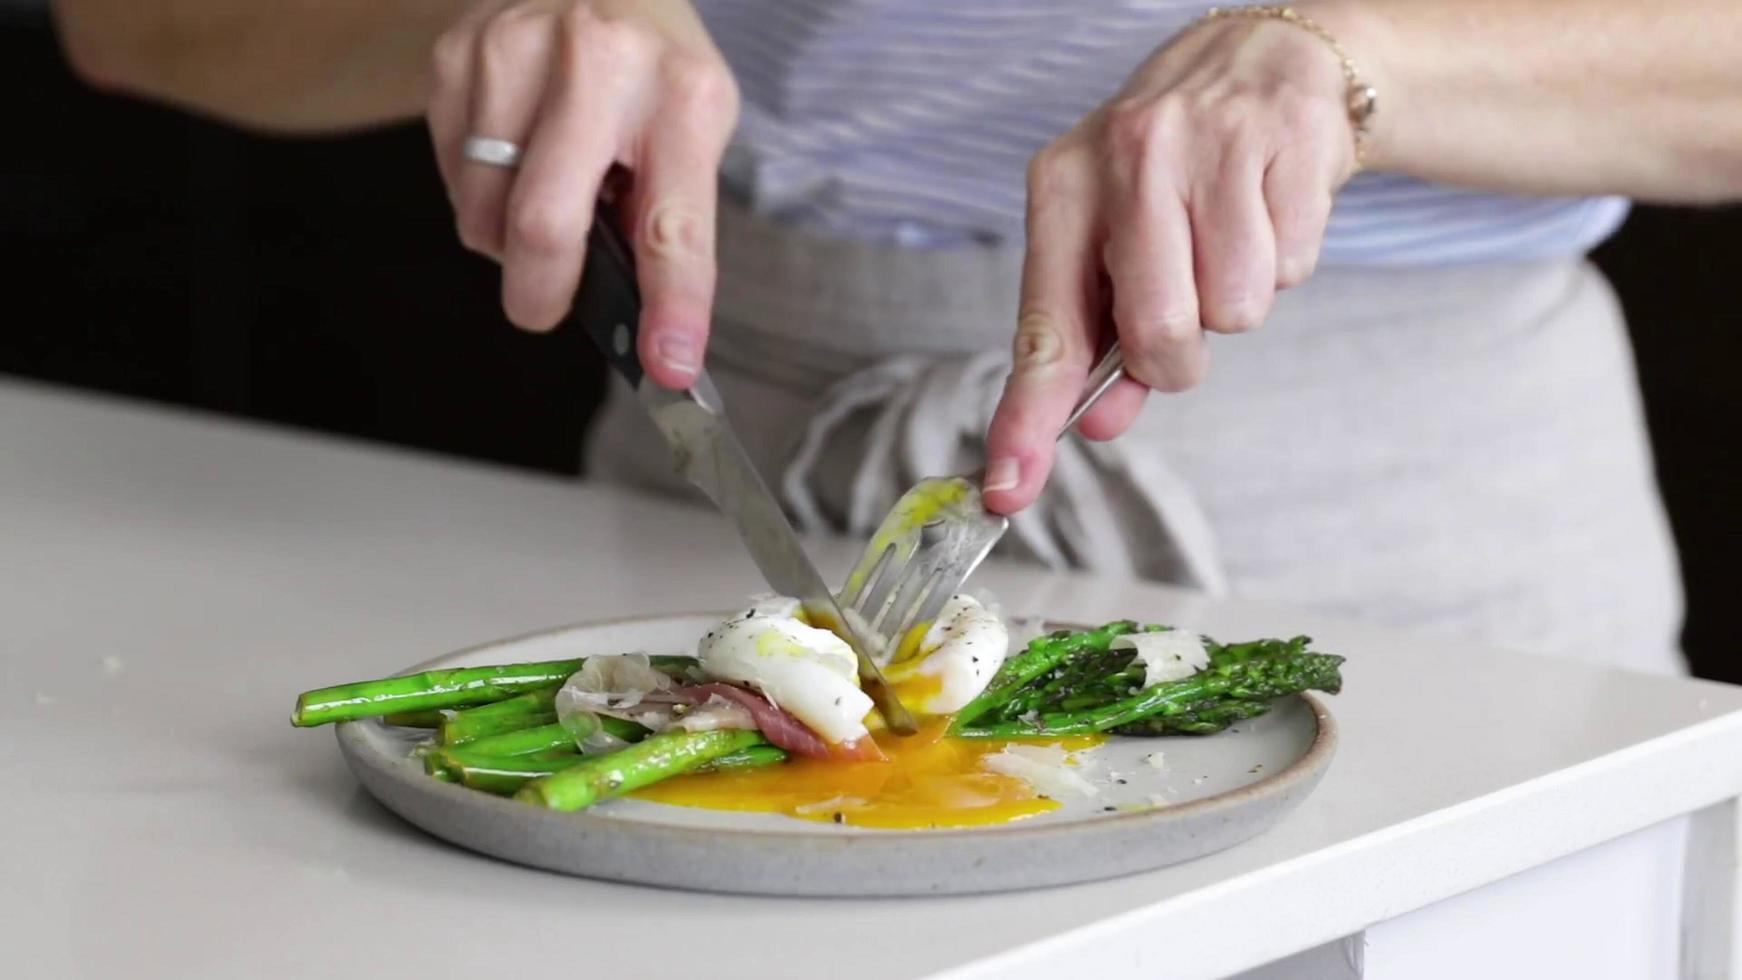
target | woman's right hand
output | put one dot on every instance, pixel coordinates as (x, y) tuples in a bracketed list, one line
[(582, 85)]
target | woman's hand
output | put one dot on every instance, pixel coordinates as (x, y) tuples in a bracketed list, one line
[(583, 85), (1181, 205)]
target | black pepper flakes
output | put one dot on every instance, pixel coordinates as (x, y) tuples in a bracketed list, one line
[(840, 817)]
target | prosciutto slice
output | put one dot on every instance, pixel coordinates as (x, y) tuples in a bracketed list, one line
[(780, 727)]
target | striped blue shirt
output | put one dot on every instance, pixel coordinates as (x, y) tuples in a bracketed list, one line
[(912, 121)]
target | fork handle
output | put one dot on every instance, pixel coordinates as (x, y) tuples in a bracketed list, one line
[(1105, 375)]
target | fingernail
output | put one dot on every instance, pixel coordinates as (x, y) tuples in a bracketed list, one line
[(678, 353), (1003, 473)]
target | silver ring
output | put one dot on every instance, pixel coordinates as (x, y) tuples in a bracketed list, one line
[(495, 152)]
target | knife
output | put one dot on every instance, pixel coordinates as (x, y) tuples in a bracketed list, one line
[(707, 453)]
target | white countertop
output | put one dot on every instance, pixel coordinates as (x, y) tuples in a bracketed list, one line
[(171, 581)]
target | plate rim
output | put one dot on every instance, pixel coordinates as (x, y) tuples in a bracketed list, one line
[(1308, 768)]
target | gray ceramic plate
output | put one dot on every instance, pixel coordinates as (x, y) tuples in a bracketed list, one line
[(1211, 793)]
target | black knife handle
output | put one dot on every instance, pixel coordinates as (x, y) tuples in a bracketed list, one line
[(608, 303)]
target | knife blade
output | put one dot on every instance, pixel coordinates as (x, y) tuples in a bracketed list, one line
[(707, 453)]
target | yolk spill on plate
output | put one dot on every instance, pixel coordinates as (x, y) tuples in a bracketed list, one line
[(929, 781)]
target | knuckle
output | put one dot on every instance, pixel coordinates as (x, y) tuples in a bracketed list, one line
[(451, 55), (476, 234), (536, 231), (578, 18), (1135, 128), (1294, 268), (698, 85), (510, 41), (1300, 115), (1238, 315), (1155, 338), (1052, 171), (1231, 120), (1176, 325), (614, 45)]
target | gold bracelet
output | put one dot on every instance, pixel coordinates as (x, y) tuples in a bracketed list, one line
[(1360, 99)]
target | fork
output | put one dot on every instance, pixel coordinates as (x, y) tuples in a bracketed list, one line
[(934, 537)]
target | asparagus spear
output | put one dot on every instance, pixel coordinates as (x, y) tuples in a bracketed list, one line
[(546, 737), (430, 689), (1204, 718), (451, 688), (416, 719), (1257, 679), (521, 711), (505, 775), (1042, 654), (658, 757)]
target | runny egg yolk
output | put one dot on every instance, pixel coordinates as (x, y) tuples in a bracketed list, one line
[(917, 688), (929, 781)]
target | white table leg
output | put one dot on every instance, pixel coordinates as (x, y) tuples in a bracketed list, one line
[(1712, 895)]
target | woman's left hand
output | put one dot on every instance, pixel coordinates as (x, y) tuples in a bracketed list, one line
[(1180, 205)]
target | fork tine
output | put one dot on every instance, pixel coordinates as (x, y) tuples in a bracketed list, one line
[(867, 572), (890, 576), (924, 609), (912, 588), (936, 535), (943, 590)]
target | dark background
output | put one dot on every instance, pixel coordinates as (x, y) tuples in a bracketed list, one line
[(319, 283)]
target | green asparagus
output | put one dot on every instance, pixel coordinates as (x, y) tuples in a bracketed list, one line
[(546, 737), (1043, 654), (1207, 717), (657, 757), (1257, 678), (416, 719), (521, 711), (451, 688), (505, 775)]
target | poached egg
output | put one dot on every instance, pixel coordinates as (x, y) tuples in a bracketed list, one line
[(810, 672)]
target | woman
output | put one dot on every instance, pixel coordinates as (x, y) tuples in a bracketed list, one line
[(1439, 429)]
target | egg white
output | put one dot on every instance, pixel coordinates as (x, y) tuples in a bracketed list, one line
[(810, 672), (960, 653)]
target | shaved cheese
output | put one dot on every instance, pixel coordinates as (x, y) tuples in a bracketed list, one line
[(714, 714), (1049, 769), (616, 686), (1167, 656), (1156, 759)]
